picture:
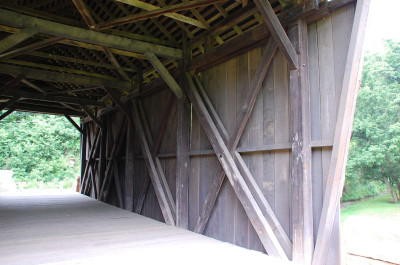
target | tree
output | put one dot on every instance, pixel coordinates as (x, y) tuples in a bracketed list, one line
[(375, 144), (42, 150)]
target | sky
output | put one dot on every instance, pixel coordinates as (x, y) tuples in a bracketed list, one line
[(383, 23)]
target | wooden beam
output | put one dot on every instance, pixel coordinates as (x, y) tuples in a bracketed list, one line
[(345, 116), (263, 228), (169, 11), (73, 123), (16, 38), (165, 74), (300, 135), (85, 13), (116, 64), (182, 163), (31, 47), (277, 31), (176, 16), (6, 113), (14, 19), (52, 76)]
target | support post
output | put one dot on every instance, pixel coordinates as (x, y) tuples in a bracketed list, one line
[(300, 135), (182, 163)]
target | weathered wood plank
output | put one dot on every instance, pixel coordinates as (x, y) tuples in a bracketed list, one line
[(344, 121), (85, 13)]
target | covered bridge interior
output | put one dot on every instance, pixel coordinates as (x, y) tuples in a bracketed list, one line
[(227, 118)]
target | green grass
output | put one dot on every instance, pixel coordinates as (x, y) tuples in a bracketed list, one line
[(371, 228), (381, 205)]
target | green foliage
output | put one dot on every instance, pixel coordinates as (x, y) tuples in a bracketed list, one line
[(42, 150), (375, 145)]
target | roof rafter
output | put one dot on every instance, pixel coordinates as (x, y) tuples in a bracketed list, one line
[(176, 16), (160, 11)]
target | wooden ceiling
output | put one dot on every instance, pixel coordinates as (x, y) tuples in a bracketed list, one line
[(56, 56)]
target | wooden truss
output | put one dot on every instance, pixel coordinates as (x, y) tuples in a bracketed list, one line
[(120, 82)]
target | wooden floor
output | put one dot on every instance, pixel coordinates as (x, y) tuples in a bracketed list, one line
[(74, 229)]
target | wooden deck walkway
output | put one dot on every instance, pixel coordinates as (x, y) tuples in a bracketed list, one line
[(74, 229)]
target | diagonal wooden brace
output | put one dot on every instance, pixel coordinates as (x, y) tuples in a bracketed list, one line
[(253, 210), (153, 164)]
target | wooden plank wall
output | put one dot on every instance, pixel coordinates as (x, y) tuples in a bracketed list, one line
[(265, 144), (328, 43)]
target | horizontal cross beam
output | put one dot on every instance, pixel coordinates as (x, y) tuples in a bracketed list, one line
[(17, 20)]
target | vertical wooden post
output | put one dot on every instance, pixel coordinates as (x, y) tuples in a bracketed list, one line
[(102, 154), (129, 168), (83, 149), (182, 163), (300, 133)]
